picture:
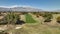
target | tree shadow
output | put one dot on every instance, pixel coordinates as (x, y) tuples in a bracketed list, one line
[(19, 22)]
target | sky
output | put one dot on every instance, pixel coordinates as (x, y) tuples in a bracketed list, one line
[(41, 4)]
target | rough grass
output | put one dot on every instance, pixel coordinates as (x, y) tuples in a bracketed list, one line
[(37, 29), (29, 19)]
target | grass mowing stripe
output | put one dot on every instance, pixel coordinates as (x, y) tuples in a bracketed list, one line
[(29, 19)]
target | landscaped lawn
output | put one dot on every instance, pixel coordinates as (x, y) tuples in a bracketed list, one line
[(29, 19)]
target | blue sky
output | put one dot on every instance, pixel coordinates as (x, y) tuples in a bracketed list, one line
[(41, 4)]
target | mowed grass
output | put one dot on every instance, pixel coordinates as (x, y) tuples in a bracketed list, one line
[(29, 19)]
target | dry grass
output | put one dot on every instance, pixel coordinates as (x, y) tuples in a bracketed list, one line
[(38, 28)]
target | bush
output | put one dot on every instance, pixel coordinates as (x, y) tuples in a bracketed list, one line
[(47, 20), (1, 14), (47, 17), (10, 18), (58, 19), (3, 32), (37, 14)]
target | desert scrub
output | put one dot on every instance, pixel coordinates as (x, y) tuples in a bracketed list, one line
[(47, 17), (11, 18)]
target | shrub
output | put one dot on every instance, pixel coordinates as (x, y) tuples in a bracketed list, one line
[(11, 18), (47, 17), (1, 14), (58, 19), (3, 32)]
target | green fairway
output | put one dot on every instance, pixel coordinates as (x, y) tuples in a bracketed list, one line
[(29, 19)]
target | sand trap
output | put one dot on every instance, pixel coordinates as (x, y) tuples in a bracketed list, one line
[(1, 17), (18, 27)]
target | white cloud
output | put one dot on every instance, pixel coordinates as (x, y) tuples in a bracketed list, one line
[(9, 6), (16, 6)]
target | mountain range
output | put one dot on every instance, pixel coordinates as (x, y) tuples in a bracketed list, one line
[(22, 9)]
